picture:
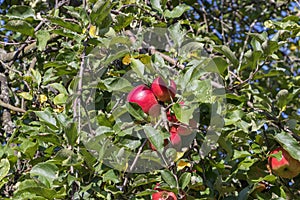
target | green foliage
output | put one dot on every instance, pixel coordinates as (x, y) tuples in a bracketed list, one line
[(70, 66)]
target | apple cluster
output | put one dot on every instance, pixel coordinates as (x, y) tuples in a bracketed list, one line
[(150, 99), (286, 166)]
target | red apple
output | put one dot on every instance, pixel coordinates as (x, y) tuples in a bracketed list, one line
[(182, 129), (171, 117), (144, 97), (286, 166), (185, 129), (162, 91), (164, 195), (175, 138)]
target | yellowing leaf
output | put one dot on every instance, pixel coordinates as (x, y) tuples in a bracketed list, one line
[(59, 109), (92, 31), (26, 95), (182, 164), (43, 98), (145, 59), (293, 47), (178, 155), (126, 60)]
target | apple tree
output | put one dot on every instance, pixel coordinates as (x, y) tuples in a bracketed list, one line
[(149, 99)]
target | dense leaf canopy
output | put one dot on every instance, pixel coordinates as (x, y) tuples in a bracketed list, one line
[(67, 131)]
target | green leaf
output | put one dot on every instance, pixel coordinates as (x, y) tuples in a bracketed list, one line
[(26, 95), (246, 164), (156, 5), (117, 84), (147, 192), (228, 53), (19, 11), (46, 172), (33, 187), (110, 176), (256, 45), (100, 11), (177, 11), (154, 137), (67, 157), (184, 179), (36, 76), (138, 67), (49, 76), (289, 143), (240, 154), (42, 38), (183, 113), (28, 147), (281, 98), (59, 87), (46, 117), (169, 178), (71, 133), (47, 138), (68, 25), (20, 26), (260, 37), (200, 89), (60, 99), (177, 35), (123, 21), (217, 65), (4, 168), (136, 111)]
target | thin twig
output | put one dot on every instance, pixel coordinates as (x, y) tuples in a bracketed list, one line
[(9, 68), (245, 45), (134, 162)]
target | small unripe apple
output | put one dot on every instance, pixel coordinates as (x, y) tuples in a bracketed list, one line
[(162, 91), (164, 195), (144, 97), (286, 166)]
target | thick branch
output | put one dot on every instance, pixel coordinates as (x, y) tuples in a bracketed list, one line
[(11, 107), (7, 57)]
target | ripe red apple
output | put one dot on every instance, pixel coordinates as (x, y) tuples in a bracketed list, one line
[(144, 97), (164, 195), (187, 129), (286, 166), (171, 117), (162, 91), (175, 138), (182, 129)]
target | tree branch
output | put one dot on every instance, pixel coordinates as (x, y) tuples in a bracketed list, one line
[(11, 107)]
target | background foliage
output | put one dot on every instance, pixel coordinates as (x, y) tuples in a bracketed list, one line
[(255, 45)]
